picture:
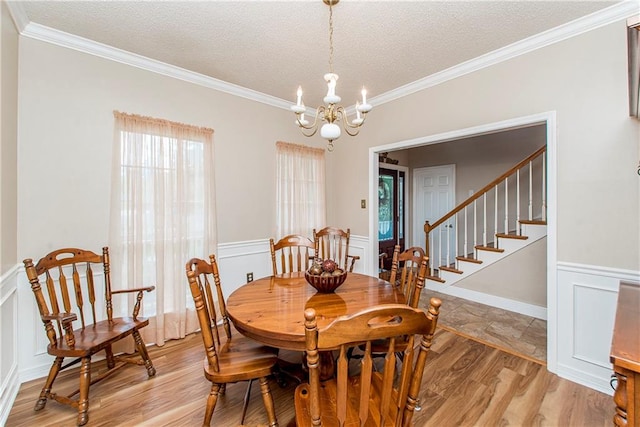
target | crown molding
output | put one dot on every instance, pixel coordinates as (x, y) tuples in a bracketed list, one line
[(598, 19), (18, 14), (81, 44), (590, 22)]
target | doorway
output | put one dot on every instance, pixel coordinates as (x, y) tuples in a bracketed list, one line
[(548, 119), (391, 212)]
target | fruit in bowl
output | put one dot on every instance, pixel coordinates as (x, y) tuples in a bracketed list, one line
[(329, 265), (325, 275)]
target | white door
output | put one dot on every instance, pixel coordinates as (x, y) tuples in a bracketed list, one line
[(434, 196)]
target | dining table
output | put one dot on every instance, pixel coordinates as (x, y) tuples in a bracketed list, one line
[(270, 310)]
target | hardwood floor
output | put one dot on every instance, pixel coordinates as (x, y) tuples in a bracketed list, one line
[(466, 383)]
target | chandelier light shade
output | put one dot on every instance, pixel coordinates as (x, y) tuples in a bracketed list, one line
[(329, 116)]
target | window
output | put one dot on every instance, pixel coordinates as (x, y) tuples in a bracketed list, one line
[(163, 214), (300, 193)]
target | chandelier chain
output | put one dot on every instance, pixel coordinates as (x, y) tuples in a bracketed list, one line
[(330, 37)]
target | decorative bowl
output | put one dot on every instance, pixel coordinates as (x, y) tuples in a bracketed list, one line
[(325, 284)]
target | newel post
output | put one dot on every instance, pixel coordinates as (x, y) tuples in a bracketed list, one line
[(427, 230)]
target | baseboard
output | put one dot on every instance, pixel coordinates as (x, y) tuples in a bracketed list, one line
[(595, 382), (491, 300)]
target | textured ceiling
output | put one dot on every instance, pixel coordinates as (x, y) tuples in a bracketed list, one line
[(274, 46)]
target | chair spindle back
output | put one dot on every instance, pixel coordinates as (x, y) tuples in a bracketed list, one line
[(408, 272), (200, 274), (369, 395), (70, 287), (291, 253), (333, 243)]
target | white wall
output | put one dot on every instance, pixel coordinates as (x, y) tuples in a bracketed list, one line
[(583, 79), (8, 212), (66, 132), (520, 276)]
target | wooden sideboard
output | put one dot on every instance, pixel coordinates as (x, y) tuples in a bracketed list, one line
[(625, 356)]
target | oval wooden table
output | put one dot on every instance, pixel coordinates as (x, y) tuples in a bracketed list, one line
[(271, 310)]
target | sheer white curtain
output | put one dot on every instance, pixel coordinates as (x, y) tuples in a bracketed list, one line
[(300, 194), (162, 215)]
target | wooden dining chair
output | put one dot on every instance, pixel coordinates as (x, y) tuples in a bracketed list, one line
[(408, 273), (77, 314), (229, 359), (369, 398), (333, 243), (292, 253)]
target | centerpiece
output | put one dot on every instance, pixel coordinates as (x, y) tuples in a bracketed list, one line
[(325, 275)]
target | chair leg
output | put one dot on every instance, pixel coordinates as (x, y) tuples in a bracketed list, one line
[(267, 398), (142, 349), (211, 403), (111, 361), (53, 373), (245, 403), (85, 381)]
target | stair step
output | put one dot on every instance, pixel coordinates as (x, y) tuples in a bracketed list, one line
[(436, 278), (511, 236), (533, 222), (451, 269), (487, 248), (467, 259)]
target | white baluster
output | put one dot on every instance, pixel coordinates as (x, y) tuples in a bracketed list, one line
[(439, 251), (465, 248), (506, 206), (484, 228), (518, 202), (530, 190), (455, 239), (431, 253), (448, 262), (495, 217), (475, 225)]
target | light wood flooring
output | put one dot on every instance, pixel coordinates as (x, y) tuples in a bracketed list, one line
[(466, 383)]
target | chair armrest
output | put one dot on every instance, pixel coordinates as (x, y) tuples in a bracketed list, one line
[(66, 320), (61, 317), (124, 291), (354, 258), (136, 307)]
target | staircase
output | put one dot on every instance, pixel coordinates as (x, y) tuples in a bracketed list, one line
[(503, 217)]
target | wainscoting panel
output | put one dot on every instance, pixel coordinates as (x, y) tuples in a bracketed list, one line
[(9, 380), (587, 298), (237, 259), (359, 245)]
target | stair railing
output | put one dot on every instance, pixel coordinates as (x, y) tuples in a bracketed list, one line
[(475, 223)]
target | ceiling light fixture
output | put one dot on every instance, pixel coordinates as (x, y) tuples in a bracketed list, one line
[(331, 113)]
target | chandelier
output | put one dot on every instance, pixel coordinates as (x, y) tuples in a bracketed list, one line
[(331, 113)]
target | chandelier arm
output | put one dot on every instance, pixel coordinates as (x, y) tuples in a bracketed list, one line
[(314, 125), (346, 125), (350, 133), (310, 133)]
